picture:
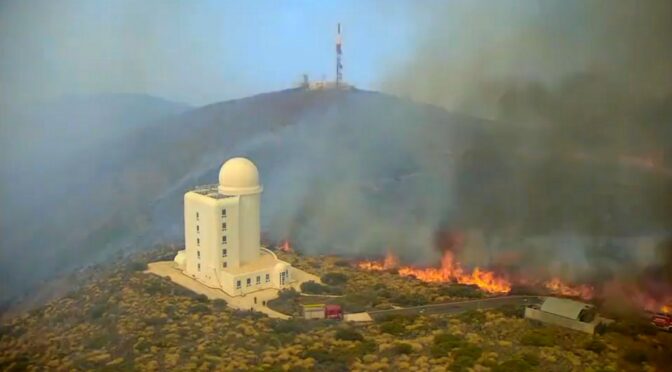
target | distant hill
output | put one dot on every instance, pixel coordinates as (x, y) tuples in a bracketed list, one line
[(42, 145), (126, 190), (350, 172)]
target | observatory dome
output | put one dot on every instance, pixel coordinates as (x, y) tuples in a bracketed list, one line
[(239, 176)]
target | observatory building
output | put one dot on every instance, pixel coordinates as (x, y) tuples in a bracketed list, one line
[(222, 235)]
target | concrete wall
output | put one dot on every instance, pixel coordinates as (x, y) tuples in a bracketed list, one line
[(536, 314), (249, 228), (203, 233)]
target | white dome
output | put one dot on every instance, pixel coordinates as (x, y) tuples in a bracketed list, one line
[(239, 176)]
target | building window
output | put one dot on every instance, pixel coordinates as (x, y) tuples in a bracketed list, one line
[(258, 279), (196, 216), (198, 229), (198, 254), (198, 241), (199, 267), (224, 252), (224, 239), (248, 282), (223, 225), (238, 284), (268, 278), (224, 264), (223, 212)]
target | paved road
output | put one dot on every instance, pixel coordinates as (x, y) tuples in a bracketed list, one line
[(457, 307)]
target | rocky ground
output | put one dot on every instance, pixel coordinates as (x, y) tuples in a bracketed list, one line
[(127, 320)]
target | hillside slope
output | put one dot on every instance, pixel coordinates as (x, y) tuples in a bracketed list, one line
[(349, 172)]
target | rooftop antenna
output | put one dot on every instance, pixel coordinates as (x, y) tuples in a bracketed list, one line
[(339, 65)]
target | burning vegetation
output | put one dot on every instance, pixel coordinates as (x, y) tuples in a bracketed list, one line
[(285, 246), (449, 271), (497, 282)]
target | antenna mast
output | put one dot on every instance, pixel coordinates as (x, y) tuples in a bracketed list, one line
[(339, 65)]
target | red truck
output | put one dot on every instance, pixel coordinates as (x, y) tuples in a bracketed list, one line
[(662, 321), (333, 312), (322, 311)]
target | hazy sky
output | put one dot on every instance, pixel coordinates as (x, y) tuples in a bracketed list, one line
[(204, 51), (192, 51)]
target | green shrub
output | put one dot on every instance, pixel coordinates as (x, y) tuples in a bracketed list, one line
[(444, 343), (365, 347), (465, 357), (291, 326), (635, 356), (155, 321), (595, 346), (334, 278), (353, 303), (512, 311), (461, 290), (97, 310), (631, 327), (348, 334), (312, 287), (469, 351), (402, 348), (286, 294), (409, 300), (403, 318), (538, 337), (338, 358), (137, 266), (200, 308), (531, 359), (342, 263), (393, 328), (472, 317), (219, 304), (97, 341), (513, 365)]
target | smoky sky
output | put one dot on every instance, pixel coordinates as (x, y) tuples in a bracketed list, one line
[(569, 173), (582, 92), (470, 54)]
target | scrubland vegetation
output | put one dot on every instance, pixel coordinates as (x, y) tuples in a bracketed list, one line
[(360, 290), (128, 320)]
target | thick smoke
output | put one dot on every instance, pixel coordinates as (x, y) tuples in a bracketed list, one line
[(349, 183), (581, 157)]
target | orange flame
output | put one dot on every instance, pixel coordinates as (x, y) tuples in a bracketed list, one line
[(285, 247), (665, 309), (391, 261), (450, 271), (556, 286)]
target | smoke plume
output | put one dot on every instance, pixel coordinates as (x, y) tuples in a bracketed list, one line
[(576, 174)]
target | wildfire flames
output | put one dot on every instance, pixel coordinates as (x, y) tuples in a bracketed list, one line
[(489, 281), (450, 271), (285, 247), (556, 286), (391, 261)]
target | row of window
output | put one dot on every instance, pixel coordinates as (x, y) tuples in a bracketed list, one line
[(198, 240), (198, 228), (223, 214), (248, 281), (224, 264)]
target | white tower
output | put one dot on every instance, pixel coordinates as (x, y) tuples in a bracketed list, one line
[(239, 177), (221, 223), (222, 247)]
